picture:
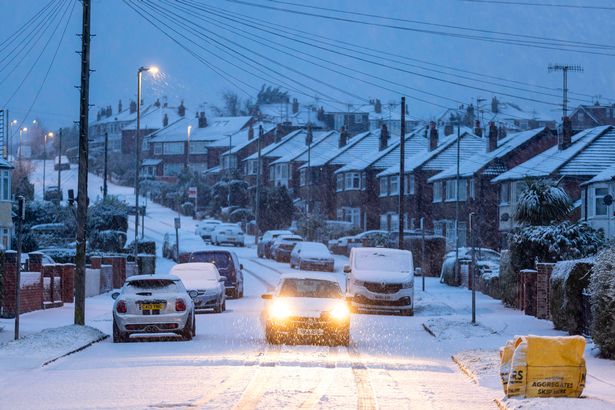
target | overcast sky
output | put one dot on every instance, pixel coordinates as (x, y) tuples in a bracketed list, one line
[(125, 41)]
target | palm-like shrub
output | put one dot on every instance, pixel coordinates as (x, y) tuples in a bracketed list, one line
[(541, 204)]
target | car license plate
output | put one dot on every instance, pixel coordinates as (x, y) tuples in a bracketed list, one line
[(382, 297), (151, 306), (310, 332)]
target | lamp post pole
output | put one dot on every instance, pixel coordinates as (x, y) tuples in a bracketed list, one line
[(50, 134), (258, 184)]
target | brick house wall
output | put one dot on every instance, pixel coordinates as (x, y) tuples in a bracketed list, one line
[(349, 120), (586, 116)]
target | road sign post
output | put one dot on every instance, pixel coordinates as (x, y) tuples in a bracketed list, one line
[(608, 201), (21, 215), (178, 224)]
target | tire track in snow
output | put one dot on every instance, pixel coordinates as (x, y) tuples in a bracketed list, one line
[(257, 262), (326, 381), (259, 278), (256, 387), (366, 400)]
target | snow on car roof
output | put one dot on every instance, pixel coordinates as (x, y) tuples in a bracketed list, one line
[(308, 275), (313, 246), (156, 276), (193, 272)]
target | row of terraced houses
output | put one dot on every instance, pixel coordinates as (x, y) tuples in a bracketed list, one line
[(345, 164)]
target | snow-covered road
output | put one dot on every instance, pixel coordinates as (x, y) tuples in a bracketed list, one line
[(392, 362)]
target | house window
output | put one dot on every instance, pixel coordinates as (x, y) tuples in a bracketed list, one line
[(172, 169), (284, 171), (338, 121), (198, 147), (437, 191), (358, 118), (339, 182), (384, 222), (353, 180), (302, 177), (472, 189), (438, 228), (384, 186), (451, 190), (271, 174), (252, 167), (158, 149), (315, 176), (352, 215), (363, 181), (394, 222), (409, 184), (173, 148), (505, 193), (5, 185), (394, 185), (5, 238), (600, 209)]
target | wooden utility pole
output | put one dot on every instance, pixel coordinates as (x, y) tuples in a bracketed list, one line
[(402, 155), (258, 183), (82, 179), (106, 166)]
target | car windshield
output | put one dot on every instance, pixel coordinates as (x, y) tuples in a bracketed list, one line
[(194, 275), (151, 285), (222, 260), (314, 248), (383, 261), (310, 288)]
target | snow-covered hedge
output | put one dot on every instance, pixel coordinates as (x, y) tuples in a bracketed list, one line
[(602, 287), (508, 280), (568, 280)]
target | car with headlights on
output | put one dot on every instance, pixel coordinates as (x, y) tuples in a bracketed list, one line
[(307, 306), (282, 246), (153, 305), (206, 227), (229, 267), (227, 233), (263, 248), (311, 255), (205, 280), (381, 279)]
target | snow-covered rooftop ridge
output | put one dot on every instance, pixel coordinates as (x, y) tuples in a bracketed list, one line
[(554, 159), (415, 160), (217, 128), (240, 139), (152, 117), (605, 176), (288, 143), (323, 141), (343, 154), (283, 113), (475, 163)]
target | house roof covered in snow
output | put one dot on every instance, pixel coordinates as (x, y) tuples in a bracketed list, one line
[(488, 161), (443, 156), (289, 143), (5, 164), (283, 113), (356, 147), (240, 139), (323, 141), (152, 117), (605, 176), (414, 141), (592, 150), (218, 128)]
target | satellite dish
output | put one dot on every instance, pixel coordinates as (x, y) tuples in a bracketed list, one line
[(505, 217), (608, 200)]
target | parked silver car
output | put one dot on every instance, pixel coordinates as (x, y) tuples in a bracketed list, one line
[(153, 304), (204, 279), (311, 255), (206, 227)]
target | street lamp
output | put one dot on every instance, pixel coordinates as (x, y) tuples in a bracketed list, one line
[(11, 133), (50, 135), (188, 149), (21, 131), (154, 71)]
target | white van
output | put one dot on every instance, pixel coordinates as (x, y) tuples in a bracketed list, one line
[(381, 279)]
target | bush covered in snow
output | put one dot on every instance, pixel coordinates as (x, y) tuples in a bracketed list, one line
[(553, 243), (568, 280), (110, 214), (542, 203), (602, 287)]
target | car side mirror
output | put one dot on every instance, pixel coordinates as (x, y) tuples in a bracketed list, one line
[(193, 294), (241, 266), (115, 295), (222, 279), (347, 269), (267, 296)]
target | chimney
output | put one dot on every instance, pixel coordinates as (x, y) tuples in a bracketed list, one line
[(448, 130), (181, 110), (565, 139), (165, 120), (202, 120), (278, 133), (133, 107), (165, 102), (157, 103), (433, 136), (492, 142), (343, 137), (501, 132), (477, 129), (384, 137), (378, 106), (250, 133), (295, 106), (119, 106), (309, 137)]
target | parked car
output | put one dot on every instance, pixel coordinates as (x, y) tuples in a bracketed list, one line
[(263, 249), (25, 258), (367, 239), (206, 227), (311, 255), (487, 261), (282, 246), (227, 233), (381, 279), (205, 279), (228, 265), (392, 240), (187, 245), (52, 234), (307, 306), (340, 247), (153, 304), (61, 162), (53, 193)]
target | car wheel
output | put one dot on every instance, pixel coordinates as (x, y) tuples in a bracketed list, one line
[(187, 331), (407, 312), (218, 308), (235, 294), (224, 306), (241, 293), (118, 337), (193, 325)]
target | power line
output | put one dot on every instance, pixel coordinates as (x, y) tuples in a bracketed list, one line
[(23, 26), (533, 4)]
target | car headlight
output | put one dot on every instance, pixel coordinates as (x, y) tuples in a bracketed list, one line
[(407, 285), (279, 310), (340, 312)]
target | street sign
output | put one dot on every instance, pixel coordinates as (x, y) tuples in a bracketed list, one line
[(192, 192), (608, 200), (178, 223)]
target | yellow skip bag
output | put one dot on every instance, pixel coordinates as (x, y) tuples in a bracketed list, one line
[(545, 367)]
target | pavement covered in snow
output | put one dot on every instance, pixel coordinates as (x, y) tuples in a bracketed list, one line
[(392, 362)]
